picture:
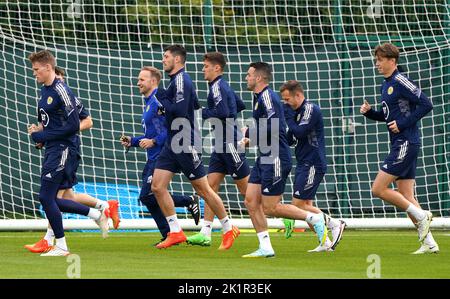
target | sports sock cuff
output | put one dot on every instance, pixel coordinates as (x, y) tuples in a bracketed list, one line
[(101, 204)]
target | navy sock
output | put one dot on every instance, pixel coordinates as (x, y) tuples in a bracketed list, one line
[(181, 200), (70, 206), (47, 197), (152, 205)]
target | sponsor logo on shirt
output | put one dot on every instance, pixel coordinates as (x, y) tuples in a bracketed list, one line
[(44, 117), (385, 109)]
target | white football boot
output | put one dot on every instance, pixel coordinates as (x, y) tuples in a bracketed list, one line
[(102, 222), (323, 248), (336, 233), (56, 251), (423, 226), (424, 248)]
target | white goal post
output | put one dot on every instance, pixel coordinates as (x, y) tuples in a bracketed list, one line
[(327, 45)]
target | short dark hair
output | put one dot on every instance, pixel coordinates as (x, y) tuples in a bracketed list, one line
[(292, 86), (387, 50), (263, 69), (177, 50), (60, 71), (44, 57), (216, 58)]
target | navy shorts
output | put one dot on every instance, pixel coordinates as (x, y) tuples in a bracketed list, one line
[(307, 181), (402, 160), (188, 163), (233, 164), (147, 176), (60, 166), (271, 177)]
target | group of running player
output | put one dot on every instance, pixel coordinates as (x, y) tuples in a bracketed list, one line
[(173, 144)]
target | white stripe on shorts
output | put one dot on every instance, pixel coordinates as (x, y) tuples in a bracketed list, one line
[(312, 173), (403, 151), (64, 157), (234, 153), (194, 153), (277, 167)]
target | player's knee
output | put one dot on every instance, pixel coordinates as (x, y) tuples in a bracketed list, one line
[(251, 205), (269, 209), (408, 195), (47, 194), (204, 192), (242, 186), (157, 188), (302, 204), (374, 191), (377, 190), (43, 200), (242, 191), (214, 185), (247, 203)]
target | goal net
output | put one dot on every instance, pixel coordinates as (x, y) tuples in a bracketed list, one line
[(326, 45)]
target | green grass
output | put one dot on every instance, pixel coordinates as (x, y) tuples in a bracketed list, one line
[(131, 255)]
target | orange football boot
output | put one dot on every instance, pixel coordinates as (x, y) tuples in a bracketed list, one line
[(229, 237), (39, 247), (113, 212), (172, 239)]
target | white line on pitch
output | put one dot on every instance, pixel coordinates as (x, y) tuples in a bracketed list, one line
[(246, 234)]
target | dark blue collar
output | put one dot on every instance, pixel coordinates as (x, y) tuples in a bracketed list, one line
[(305, 101), (56, 81), (215, 80), (264, 89), (395, 73), (174, 75)]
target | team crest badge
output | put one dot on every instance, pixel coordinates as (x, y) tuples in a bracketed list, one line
[(298, 117), (256, 106), (49, 100), (390, 90), (148, 108)]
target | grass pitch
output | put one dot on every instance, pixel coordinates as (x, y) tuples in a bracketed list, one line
[(131, 255)]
